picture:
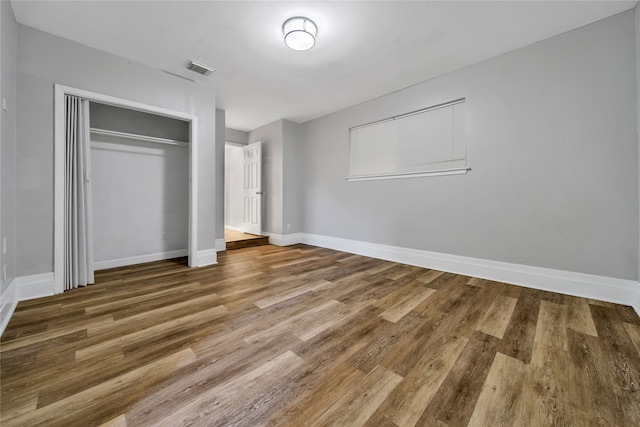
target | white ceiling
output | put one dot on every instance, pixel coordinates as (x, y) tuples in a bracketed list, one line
[(364, 49)]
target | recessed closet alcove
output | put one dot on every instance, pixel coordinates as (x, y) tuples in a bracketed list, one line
[(140, 186)]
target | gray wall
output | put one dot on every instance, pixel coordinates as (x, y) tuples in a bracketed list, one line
[(280, 176), (219, 174), (45, 60), (551, 134), (236, 136), (140, 198), (137, 122), (8, 72), (271, 137), (291, 212)]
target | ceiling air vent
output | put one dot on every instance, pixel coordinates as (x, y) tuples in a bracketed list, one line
[(200, 68)]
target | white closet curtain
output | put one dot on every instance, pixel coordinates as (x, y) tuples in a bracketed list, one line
[(78, 257)]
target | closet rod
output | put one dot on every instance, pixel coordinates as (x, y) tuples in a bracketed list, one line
[(98, 131)]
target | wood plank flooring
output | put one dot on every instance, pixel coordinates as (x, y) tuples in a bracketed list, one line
[(237, 239), (305, 336)]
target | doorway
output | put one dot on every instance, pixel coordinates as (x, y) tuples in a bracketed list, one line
[(139, 185), (243, 196), (59, 170), (236, 239)]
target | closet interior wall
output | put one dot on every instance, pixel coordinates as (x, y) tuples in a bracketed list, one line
[(140, 186)]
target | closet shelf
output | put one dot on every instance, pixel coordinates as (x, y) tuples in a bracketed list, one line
[(98, 131)]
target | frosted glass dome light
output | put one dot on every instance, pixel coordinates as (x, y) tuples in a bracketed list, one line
[(299, 33)]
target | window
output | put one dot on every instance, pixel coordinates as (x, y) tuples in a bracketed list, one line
[(426, 142)]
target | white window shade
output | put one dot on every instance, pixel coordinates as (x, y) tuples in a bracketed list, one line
[(426, 142)]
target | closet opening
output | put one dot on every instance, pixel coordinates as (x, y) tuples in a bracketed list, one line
[(144, 182), (140, 186)]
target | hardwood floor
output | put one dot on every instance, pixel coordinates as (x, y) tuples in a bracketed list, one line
[(304, 336), (238, 239)]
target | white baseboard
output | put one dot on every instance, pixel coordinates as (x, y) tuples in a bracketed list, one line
[(23, 288), (121, 262), (284, 239), (42, 285), (34, 286), (8, 303), (620, 291), (221, 245), (231, 227), (205, 257)]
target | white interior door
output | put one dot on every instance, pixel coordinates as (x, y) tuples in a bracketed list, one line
[(252, 193)]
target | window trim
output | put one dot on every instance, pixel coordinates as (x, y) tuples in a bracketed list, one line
[(401, 175), (408, 174)]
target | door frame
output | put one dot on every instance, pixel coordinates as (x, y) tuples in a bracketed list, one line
[(58, 170)]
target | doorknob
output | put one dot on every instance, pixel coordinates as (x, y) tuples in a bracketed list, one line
[(260, 192)]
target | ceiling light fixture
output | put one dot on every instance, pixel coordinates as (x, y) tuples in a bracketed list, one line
[(299, 33)]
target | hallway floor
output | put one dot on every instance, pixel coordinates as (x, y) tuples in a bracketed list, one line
[(237, 239)]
